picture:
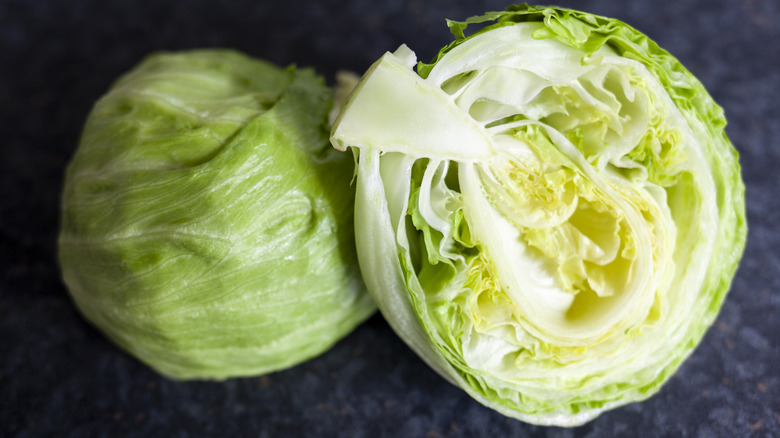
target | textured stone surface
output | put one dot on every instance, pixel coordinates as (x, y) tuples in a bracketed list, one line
[(60, 377)]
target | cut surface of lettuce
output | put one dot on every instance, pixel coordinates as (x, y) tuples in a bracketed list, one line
[(207, 222), (550, 213)]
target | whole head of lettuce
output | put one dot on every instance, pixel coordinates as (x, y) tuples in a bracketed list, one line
[(206, 221), (550, 213)]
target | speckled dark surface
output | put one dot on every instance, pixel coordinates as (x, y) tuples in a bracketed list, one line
[(60, 377)]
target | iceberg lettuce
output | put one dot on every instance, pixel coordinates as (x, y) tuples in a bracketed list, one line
[(207, 222), (549, 213)]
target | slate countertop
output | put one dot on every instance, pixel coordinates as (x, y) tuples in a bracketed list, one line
[(60, 377)]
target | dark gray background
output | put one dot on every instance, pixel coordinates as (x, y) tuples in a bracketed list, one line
[(60, 377)]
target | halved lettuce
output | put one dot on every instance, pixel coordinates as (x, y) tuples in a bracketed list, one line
[(207, 222), (550, 213)]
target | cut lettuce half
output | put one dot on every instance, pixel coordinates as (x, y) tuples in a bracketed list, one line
[(550, 213)]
